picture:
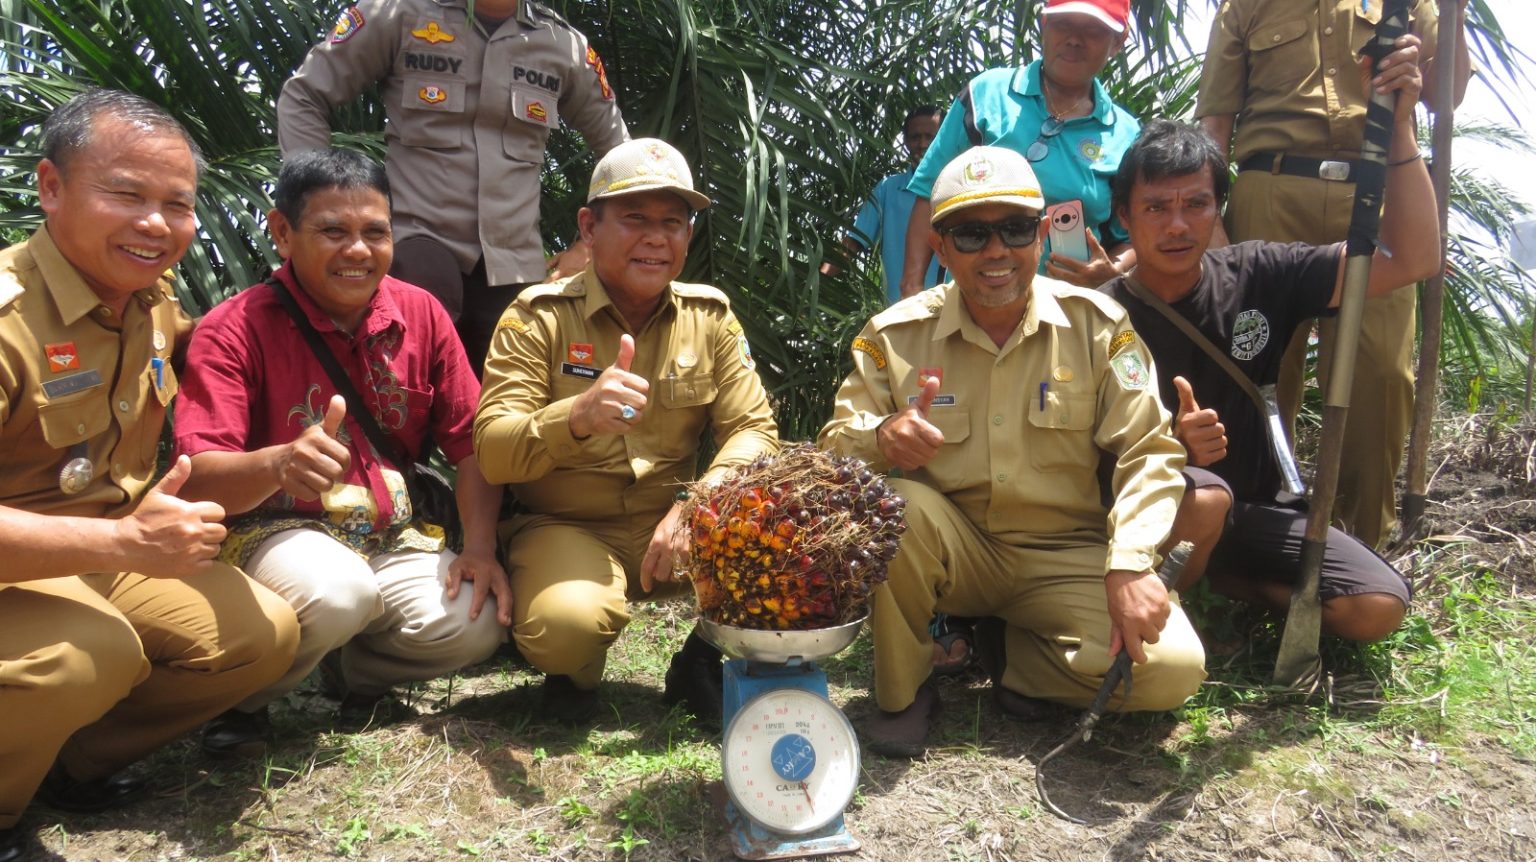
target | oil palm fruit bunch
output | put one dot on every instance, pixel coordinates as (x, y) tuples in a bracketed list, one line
[(796, 540)]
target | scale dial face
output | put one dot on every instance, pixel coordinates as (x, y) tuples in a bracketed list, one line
[(790, 761)]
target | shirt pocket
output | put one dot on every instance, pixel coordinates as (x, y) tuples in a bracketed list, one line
[(531, 115), (1061, 436), (683, 414), (1281, 56), (432, 116), (163, 383), (69, 422), (950, 469)]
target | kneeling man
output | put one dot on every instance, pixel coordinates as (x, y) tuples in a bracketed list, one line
[(323, 515), (998, 395)]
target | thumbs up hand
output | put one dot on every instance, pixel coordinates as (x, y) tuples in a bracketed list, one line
[(316, 459), (1201, 431), (906, 438), (615, 402), (166, 535)]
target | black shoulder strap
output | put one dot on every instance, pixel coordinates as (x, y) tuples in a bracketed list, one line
[(355, 406), (1140, 291)]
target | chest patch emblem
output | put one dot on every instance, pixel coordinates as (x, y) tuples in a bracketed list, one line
[(538, 113), (1250, 334), (1090, 149), (432, 34), (926, 374), (432, 94), (579, 353), (62, 357)]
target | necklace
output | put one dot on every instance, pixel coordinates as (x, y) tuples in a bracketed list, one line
[(1071, 110)]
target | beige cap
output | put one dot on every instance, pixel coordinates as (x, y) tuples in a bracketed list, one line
[(985, 175), (644, 165)]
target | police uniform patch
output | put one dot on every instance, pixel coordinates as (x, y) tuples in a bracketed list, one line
[(513, 324), (1250, 333), (596, 63), (432, 34), (863, 344), (432, 94), (1121, 339), (579, 353), (537, 113), (745, 350), (62, 357), (1130, 370), (347, 25)]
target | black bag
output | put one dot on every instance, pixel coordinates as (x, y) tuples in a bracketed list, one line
[(432, 496)]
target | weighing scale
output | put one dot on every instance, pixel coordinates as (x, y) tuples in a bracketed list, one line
[(789, 758)]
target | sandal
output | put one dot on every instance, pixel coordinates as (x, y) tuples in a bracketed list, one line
[(954, 647)]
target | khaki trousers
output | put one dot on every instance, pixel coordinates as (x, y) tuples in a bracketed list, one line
[(390, 615), (572, 581), (1297, 209), (98, 671), (1052, 600)]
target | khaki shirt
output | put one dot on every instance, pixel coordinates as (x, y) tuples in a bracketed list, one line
[(468, 118), (549, 347), (1022, 472), (1286, 69), (75, 380)]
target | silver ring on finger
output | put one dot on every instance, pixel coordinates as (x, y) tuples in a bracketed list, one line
[(627, 413)]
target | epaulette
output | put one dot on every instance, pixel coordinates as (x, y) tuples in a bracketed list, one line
[(1105, 303), (700, 291), (921, 306), (566, 288), (10, 288), (546, 12)]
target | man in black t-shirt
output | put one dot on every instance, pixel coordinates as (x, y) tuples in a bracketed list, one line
[(1247, 300)]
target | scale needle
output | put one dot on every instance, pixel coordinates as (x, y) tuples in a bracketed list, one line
[(811, 803)]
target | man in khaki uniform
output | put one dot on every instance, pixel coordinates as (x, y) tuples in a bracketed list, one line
[(1284, 73), (118, 631), (998, 394), (597, 391), (470, 101)]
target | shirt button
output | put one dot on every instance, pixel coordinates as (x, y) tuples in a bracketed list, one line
[(123, 406), (1277, 37), (80, 429), (1327, 31), (1333, 70), (996, 420), (1002, 477)]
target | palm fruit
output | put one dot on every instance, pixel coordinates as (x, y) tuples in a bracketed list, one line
[(797, 540)]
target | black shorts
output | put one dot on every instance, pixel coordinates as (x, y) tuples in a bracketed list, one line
[(1262, 542)]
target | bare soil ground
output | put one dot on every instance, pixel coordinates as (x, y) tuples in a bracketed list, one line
[(475, 772)]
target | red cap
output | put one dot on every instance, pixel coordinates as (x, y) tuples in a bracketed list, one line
[(1112, 13)]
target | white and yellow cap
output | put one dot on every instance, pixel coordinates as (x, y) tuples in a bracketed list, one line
[(985, 175), (644, 165)]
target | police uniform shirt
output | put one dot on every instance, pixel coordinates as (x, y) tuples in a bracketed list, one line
[(1286, 69), (549, 347), (468, 115), (78, 381), (1025, 424), (1249, 300), (1005, 108)]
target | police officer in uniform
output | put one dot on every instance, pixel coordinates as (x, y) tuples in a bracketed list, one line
[(118, 631), (470, 101), (597, 391), (997, 394), (1283, 72)]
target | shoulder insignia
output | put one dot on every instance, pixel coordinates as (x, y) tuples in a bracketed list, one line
[(347, 25), (1130, 370), (700, 291), (513, 323), (1122, 338), (10, 288), (922, 306), (432, 34), (547, 12), (1105, 303), (734, 327), (596, 63), (568, 288), (865, 345)]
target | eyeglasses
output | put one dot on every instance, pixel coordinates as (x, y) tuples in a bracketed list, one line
[(973, 236), (1050, 128)]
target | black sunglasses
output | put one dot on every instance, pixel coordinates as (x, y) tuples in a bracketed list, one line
[(973, 236), (1041, 148)]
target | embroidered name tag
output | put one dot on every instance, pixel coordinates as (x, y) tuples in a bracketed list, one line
[(72, 384), (938, 400), (575, 370)]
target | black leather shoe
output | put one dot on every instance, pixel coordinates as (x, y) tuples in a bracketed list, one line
[(62, 793), (14, 843), (694, 679), (566, 704), (237, 735), (904, 733)]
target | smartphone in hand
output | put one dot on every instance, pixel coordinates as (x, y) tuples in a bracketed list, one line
[(1067, 229)]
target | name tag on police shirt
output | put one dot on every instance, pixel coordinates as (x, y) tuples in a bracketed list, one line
[(72, 384), (575, 370)]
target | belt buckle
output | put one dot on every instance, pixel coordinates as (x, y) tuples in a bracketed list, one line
[(1332, 171)]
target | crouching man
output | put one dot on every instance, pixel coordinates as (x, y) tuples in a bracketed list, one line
[(322, 513), (998, 394)]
